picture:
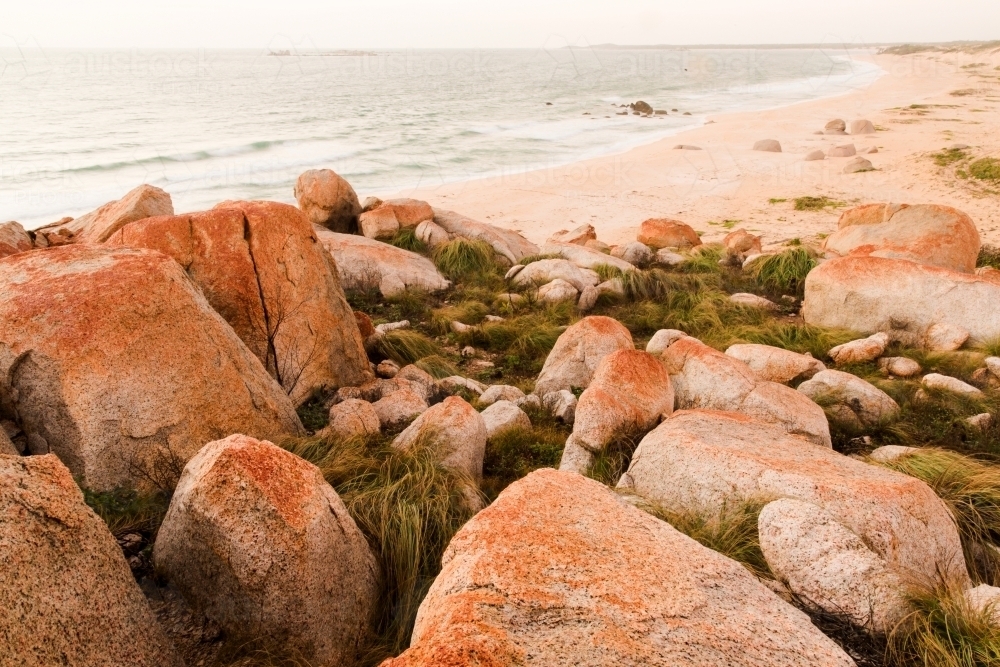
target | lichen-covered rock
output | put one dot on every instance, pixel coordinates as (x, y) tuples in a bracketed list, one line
[(115, 362), (456, 432), (13, 239), (826, 563), (704, 459), (504, 416), (328, 200), (579, 236), (578, 351), (628, 395), (660, 233), (776, 364), (870, 294), (262, 267), (740, 244), (560, 571), (97, 226), (703, 377), (927, 234), (856, 403), (67, 596), (258, 541), (663, 339)]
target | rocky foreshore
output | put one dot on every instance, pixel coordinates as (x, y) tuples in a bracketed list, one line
[(346, 432)]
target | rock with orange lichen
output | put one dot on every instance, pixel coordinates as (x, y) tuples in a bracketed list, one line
[(13, 239), (262, 267), (365, 263), (775, 364), (560, 571), (927, 234), (67, 596), (97, 226), (699, 460), (740, 244), (872, 294), (578, 351), (628, 395), (705, 378), (114, 361), (328, 200), (258, 541), (665, 233)]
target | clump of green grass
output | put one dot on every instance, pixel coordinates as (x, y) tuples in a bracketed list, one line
[(705, 259), (406, 346), (816, 203), (313, 413), (436, 366), (731, 531), (775, 200), (523, 341), (129, 511), (466, 312), (406, 238), (944, 630), (985, 169), (784, 272), (611, 463), (407, 505), (989, 255), (513, 454), (949, 156), (801, 338), (462, 259), (638, 285), (537, 258), (971, 491)]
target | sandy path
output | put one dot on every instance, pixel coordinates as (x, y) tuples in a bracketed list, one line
[(728, 184)]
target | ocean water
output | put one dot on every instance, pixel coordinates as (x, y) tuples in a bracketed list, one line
[(80, 128)]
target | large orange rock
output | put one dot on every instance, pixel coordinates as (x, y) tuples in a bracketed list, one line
[(113, 360), (13, 239), (67, 596), (262, 267), (144, 201), (328, 200), (560, 571), (872, 294), (258, 541), (665, 233), (927, 234)]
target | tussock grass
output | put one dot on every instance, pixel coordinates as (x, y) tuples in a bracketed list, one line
[(985, 169), (816, 203), (971, 490), (949, 156), (784, 272), (436, 366), (704, 259), (466, 312), (537, 258), (406, 346), (407, 505), (406, 238), (801, 338), (648, 285), (611, 463), (462, 259), (128, 511), (943, 630), (731, 531), (515, 453)]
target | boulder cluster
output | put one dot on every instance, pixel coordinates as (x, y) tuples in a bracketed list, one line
[(144, 349)]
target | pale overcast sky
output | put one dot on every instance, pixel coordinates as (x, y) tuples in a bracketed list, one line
[(497, 23)]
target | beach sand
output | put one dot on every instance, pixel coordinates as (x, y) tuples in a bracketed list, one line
[(727, 185)]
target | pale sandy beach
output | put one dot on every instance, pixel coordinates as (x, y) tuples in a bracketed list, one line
[(728, 185)]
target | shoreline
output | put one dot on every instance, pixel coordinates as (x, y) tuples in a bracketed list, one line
[(727, 185)]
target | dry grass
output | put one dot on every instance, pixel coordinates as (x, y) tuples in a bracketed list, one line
[(406, 346), (784, 273), (462, 259)]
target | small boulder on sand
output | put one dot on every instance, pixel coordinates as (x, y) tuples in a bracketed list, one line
[(858, 165), (97, 226), (847, 150), (328, 200), (67, 596), (560, 571), (836, 126), (665, 233), (580, 236), (578, 351), (768, 146), (456, 432), (853, 402), (862, 127), (776, 364), (262, 544), (812, 156), (383, 221)]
